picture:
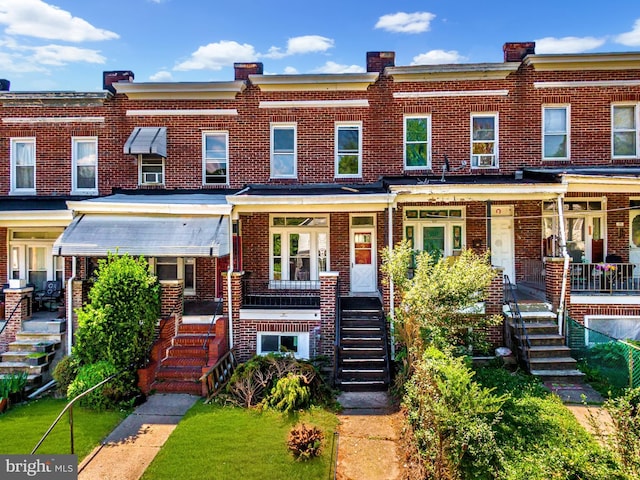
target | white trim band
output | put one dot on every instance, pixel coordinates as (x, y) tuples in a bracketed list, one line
[(460, 93), (181, 112), (588, 83), (314, 104), (26, 120)]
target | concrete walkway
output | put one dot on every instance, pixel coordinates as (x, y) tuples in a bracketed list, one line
[(369, 437), (129, 449)]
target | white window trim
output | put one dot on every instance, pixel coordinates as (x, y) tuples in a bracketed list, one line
[(23, 244), (338, 126), (204, 155), (495, 163), (447, 222), (567, 107), (588, 318), (636, 116), (14, 189), (74, 166), (141, 181), (404, 142), (284, 126), (303, 343)]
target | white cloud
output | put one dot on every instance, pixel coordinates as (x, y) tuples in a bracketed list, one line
[(216, 56), (35, 18), (402, 22), (58, 55), (632, 38), (437, 57), (301, 45), (161, 76), (12, 63), (290, 70), (333, 67), (568, 44)]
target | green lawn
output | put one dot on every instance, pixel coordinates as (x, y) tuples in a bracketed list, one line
[(234, 443), (22, 426)]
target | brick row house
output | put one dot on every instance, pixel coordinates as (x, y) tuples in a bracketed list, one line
[(271, 196)]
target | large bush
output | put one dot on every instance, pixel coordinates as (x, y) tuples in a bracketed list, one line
[(117, 326)]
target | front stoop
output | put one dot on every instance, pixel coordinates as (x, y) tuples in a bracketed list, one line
[(549, 358), (181, 369), (363, 357), (36, 350)]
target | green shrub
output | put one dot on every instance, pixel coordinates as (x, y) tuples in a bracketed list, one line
[(289, 394), (305, 442), (111, 395), (65, 372), (625, 414), (12, 385)]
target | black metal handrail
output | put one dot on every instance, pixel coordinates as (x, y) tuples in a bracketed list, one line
[(524, 343), (7, 320), (205, 343), (69, 407), (336, 348), (219, 374)]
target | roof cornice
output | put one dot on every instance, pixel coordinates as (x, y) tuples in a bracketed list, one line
[(168, 208), (9, 99), (448, 72), (584, 61), (314, 83), (180, 90)]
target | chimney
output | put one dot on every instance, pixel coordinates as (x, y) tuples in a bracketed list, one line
[(243, 70), (378, 61), (516, 51), (115, 76), (4, 85)]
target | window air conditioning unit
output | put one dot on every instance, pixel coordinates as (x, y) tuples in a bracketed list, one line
[(153, 177)]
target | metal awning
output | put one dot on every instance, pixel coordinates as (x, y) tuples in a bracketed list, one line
[(147, 140), (153, 236)]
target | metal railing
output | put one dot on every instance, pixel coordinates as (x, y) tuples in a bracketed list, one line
[(69, 407), (605, 278), (218, 375), (7, 320), (336, 347), (522, 336), (281, 293), (618, 361), (218, 307), (533, 272)]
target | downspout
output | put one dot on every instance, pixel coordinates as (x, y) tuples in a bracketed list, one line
[(70, 305), (229, 289), (392, 314), (567, 259)]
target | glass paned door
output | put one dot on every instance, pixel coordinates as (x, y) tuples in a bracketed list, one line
[(37, 266), (363, 256), (433, 241)]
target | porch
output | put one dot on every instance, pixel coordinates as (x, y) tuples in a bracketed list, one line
[(280, 293)]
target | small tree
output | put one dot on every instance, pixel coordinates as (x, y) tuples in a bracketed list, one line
[(118, 325), (437, 303)]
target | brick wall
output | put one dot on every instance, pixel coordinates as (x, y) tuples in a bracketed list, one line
[(554, 268), (17, 309)]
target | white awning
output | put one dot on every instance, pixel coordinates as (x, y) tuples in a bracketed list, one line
[(153, 236), (147, 140)]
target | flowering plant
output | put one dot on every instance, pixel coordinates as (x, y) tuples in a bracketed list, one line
[(605, 267)]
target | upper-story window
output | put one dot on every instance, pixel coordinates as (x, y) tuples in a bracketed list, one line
[(151, 170), (484, 141), (85, 164), (348, 150), (624, 131), (215, 155), (417, 142), (23, 165), (555, 132), (283, 151)]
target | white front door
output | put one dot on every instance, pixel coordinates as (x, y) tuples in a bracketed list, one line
[(502, 243), (363, 254), (634, 241)]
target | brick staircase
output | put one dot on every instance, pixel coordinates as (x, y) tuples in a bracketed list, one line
[(35, 350), (363, 355), (180, 370), (549, 358)]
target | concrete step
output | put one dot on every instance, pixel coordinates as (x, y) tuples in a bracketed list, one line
[(7, 368), (570, 375), (40, 336), (34, 345), (538, 340), (362, 385), (552, 363), (542, 351), (45, 326), (27, 356)]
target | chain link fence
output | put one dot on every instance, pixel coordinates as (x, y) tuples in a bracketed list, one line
[(618, 361)]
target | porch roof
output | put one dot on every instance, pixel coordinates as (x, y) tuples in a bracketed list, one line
[(34, 208), (150, 235), (602, 179)]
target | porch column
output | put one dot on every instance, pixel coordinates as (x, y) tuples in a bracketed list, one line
[(554, 269), (237, 293), (493, 306), (328, 293), (171, 300), (78, 297), (17, 301)]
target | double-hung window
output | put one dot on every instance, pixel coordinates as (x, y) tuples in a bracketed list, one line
[(85, 164), (283, 151), (299, 249), (23, 165), (417, 142), (624, 131), (151, 170), (555, 132), (215, 158), (348, 150), (484, 141), (176, 268)]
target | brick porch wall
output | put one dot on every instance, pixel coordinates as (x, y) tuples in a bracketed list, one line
[(554, 268), (18, 302)]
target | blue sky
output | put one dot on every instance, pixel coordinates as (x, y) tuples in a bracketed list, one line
[(66, 44)]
